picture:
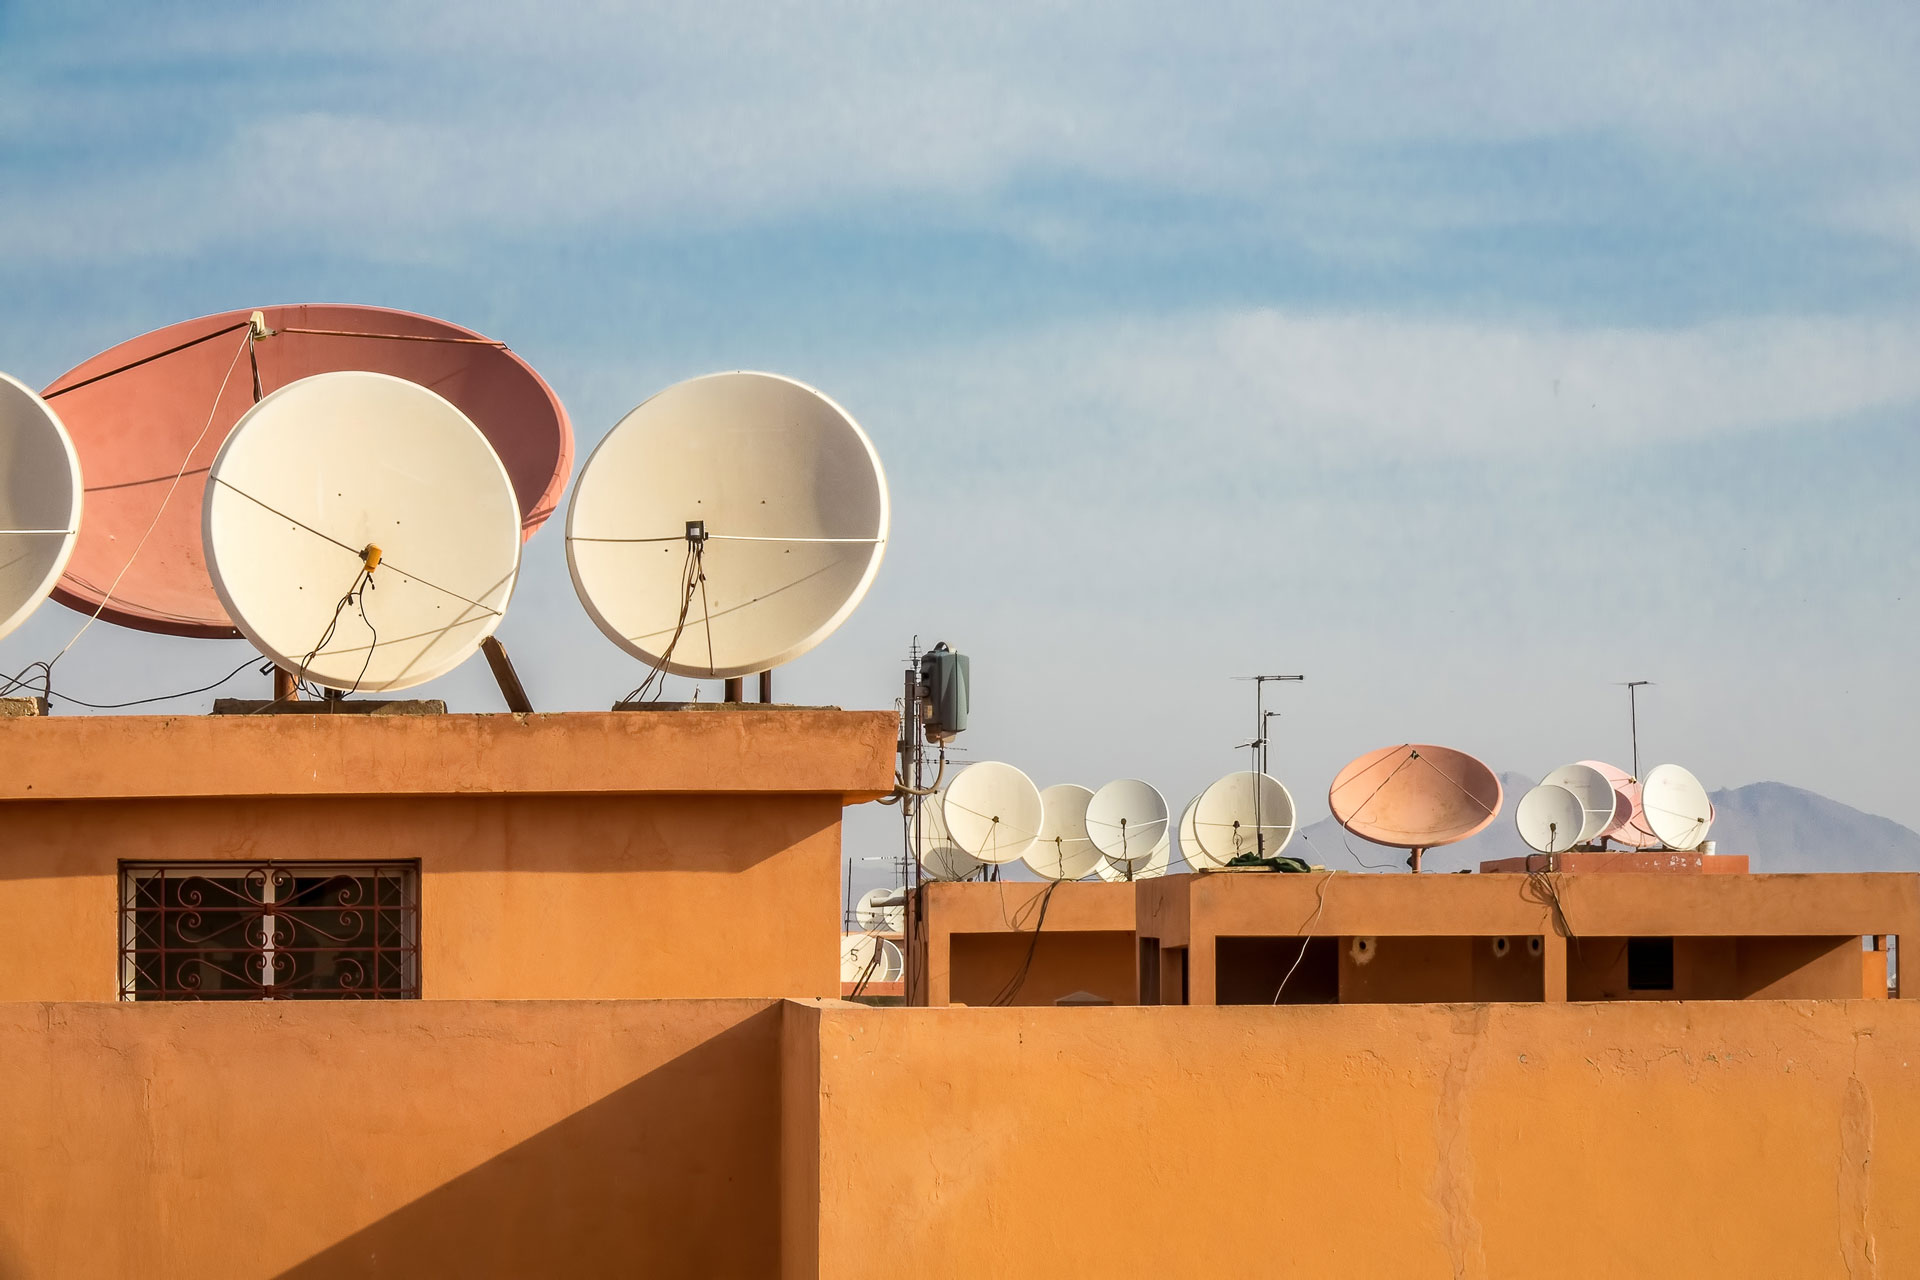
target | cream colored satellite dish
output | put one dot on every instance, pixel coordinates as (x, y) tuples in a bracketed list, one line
[(40, 499), (1063, 850), (940, 858), (1196, 857), (1677, 808), (727, 525), (1243, 813), (882, 910), (1127, 820), (993, 811), (361, 531), (1549, 818)]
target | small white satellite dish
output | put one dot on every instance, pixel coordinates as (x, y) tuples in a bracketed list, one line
[(1127, 820), (1549, 818), (1677, 808), (1063, 850), (993, 811), (940, 858), (361, 531), (882, 910), (727, 525), (1243, 813), (1598, 799), (1153, 864), (893, 964), (40, 499)]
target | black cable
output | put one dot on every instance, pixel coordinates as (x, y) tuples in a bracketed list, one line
[(164, 697), (1012, 988), (693, 573)]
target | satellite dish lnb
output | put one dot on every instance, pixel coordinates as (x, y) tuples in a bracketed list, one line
[(727, 525), (1414, 797), (361, 532), (40, 497)]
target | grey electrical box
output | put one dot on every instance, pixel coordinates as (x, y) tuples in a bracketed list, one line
[(944, 708)]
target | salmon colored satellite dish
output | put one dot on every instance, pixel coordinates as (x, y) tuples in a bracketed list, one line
[(1629, 825), (1415, 797), (148, 416)]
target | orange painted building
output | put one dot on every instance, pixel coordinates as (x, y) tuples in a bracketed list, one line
[(614, 1048)]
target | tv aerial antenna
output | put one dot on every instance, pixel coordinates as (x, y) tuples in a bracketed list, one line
[(1258, 747), (1633, 688)]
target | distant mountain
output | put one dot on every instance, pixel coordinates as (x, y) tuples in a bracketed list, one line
[(1778, 827)]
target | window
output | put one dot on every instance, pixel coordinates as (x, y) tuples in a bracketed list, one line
[(269, 931), (1649, 964)]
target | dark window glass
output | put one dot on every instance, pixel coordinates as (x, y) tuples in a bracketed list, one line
[(1649, 964)]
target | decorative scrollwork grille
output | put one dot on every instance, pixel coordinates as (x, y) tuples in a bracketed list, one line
[(269, 931)]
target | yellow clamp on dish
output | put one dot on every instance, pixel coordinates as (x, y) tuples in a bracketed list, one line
[(370, 557)]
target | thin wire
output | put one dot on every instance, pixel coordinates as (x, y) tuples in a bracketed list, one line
[(1019, 978), (690, 571), (167, 697), (397, 337), (735, 537), (1308, 941)]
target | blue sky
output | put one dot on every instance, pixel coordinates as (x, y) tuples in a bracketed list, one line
[(1467, 358)]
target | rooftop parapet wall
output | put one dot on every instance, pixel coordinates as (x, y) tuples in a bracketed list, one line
[(745, 751)]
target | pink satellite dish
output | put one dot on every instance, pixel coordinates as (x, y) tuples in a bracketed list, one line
[(1629, 825), (160, 406), (1415, 797)]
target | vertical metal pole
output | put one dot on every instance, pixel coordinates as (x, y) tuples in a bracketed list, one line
[(284, 688), (1633, 720), (736, 689), (766, 686)]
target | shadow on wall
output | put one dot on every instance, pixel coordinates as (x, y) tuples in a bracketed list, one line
[(677, 1173)]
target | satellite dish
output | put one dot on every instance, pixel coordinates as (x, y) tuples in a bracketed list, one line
[(993, 811), (893, 965), (1677, 808), (1127, 820), (863, 955), (346, 478), (1622, 807), (1190, 849), (1063, 850), (1414, 796), (1243, 813), (1595, 792), (1549, 818), (1153, 864), (727, 525), (882, 910), (940, 858), (40, 498), (160, 406)]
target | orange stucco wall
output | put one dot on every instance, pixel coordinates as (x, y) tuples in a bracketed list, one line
[(977, 936), (1603, 1140), (680, 855), (442, 1138)]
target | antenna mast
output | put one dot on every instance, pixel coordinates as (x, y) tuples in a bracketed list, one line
[(1259, 749), (1633, 719)]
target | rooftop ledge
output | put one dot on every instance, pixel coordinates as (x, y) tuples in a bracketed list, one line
[(747, 751)]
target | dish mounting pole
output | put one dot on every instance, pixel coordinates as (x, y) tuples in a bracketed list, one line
[(1633, 719)]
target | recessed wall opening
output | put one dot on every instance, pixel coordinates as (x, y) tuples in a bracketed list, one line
[(1649, 964), (1253, 970)]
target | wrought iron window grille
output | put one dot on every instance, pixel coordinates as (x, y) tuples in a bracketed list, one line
[(269, 931)]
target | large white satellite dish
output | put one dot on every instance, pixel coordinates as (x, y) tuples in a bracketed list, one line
[(1243, 813), (1677, 808), (1598, 799), (882, 910), (727, 525), (1550, 817), (940, 858), (368, 484), (1127, 820), (40, 498), (1063, 850), (863, 955), (993, 811)]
